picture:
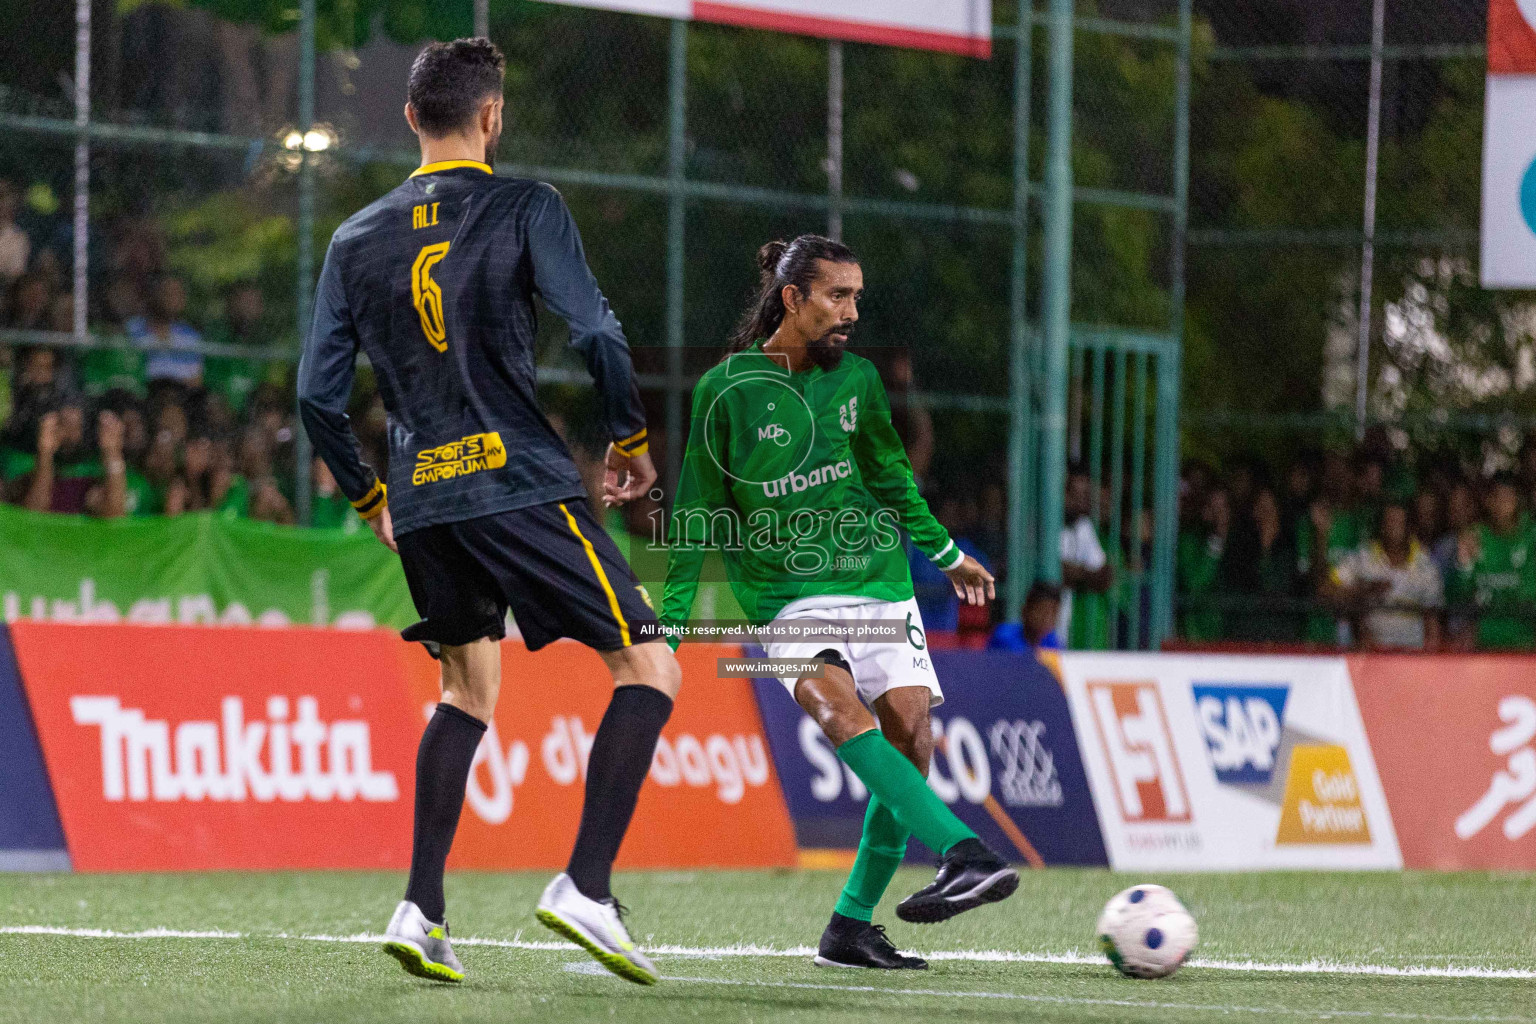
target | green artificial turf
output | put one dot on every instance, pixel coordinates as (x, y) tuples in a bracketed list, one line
[(1386, 920)]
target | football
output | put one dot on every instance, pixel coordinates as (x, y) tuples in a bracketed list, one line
[(1146, 932)]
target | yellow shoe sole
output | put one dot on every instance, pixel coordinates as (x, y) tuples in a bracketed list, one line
[(415, 962), (619, 965)]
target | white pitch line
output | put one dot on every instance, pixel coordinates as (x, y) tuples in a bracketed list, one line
[(993, 956), (588, 967)]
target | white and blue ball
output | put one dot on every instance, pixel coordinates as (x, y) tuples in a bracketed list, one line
[(1146, 932)]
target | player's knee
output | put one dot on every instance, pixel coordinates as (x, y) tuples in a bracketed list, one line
[(833, 704), (907, 724), (648, 664), (915, 743)]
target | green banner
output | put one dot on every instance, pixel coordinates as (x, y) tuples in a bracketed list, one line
[(196, 569)]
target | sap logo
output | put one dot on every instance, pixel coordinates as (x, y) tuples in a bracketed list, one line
[(1139, 749), (1241, 727), (242, 760), (775, 433)]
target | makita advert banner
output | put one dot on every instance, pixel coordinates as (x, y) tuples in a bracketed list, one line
[(187, 748), (1006, 761)]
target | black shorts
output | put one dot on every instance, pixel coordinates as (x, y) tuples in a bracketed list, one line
[(553, 565)]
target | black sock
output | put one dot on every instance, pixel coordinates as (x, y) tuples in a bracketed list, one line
[(621, 757), (442, 771)]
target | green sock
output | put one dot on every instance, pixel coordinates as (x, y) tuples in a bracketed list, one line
[(897, 784), (881, 848)]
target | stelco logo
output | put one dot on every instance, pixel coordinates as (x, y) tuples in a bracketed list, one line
[(276, 759), (1027, 775)]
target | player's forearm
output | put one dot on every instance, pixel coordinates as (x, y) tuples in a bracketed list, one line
[(331, 434), (40, 495), (928, 535), (612, 370), (115, 494), (683, 567)]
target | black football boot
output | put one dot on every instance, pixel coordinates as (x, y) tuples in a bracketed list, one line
[(969, 876), (849, 942)]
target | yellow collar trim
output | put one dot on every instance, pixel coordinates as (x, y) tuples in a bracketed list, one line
[(448, 165)]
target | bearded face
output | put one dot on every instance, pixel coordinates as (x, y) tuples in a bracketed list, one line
[(827, 350)]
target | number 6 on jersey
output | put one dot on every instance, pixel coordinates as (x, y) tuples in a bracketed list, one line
[(427, 297)]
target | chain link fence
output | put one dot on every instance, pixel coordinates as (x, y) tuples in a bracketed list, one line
[(682, 148)]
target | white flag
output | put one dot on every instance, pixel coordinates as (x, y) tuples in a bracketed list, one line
[(1509, 183)]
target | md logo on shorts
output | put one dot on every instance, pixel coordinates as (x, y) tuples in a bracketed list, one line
[(1242, 726)]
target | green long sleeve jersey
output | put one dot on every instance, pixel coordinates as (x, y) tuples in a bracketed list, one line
[(801, 482)]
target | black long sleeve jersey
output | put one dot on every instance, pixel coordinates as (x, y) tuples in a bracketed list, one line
[(435, 282)]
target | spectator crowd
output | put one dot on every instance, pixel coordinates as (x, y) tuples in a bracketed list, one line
[(159, 424), (1338, 548), (1360, 549)]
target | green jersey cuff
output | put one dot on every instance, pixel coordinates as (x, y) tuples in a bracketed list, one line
[(948, 557)]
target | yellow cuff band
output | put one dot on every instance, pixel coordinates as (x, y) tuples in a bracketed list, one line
[(370, 505), (633, 445)]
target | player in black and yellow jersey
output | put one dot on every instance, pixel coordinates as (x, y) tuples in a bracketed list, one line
[(436, 282)]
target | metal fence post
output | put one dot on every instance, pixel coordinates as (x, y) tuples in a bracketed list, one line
[(82, 163), (1165, 482), (1021, 441), (835, 140), (483, 18), (304, 285), (1368, 247), (1056, 321), (677, 150)]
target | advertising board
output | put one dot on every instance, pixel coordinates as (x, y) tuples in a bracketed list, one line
[(1455, 739), (1006, 762), (186, 748), (712, 798), (1214, 762)]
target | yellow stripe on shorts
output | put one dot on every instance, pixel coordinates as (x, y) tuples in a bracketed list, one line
[(602, 577)]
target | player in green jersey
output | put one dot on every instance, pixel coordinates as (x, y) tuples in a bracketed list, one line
[(794, 471), (1496, 570)]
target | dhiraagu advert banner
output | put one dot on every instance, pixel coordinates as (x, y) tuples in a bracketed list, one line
[(196, 569)]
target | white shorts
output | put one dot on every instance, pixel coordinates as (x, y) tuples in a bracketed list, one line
[(878, 665)]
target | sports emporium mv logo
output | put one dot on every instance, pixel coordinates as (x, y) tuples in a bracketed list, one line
[(1139, 749)]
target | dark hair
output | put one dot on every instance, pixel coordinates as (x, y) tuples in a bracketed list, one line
[(783, 263), (1504, 478), (1041, 590), (449, 81)]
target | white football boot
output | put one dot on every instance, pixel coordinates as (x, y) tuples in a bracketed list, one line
[(421, 946), (597, 927)]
